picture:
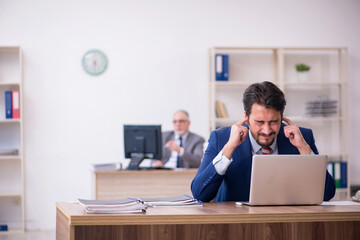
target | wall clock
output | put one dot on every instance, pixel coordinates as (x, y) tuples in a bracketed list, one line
[(94, 62)]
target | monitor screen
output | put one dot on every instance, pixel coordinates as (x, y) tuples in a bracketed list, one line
[(142, 141)]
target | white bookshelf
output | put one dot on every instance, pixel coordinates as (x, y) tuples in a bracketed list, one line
[(328, 77), (12, 212)]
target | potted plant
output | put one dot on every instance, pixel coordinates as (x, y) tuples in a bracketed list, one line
[(302, 70)]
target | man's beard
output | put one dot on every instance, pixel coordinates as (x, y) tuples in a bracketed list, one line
[(180, 131), (268, 144)]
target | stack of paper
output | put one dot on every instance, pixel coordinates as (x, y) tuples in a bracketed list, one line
[(182, 200), (113, 206), (136, 205), (103, 167)]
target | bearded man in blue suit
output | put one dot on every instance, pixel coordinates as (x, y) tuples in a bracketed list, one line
[(225, 171)]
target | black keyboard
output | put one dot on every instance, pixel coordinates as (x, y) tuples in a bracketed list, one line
[(155, 168)]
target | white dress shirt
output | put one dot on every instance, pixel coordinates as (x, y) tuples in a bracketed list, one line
[(221, 162), (174, 154)]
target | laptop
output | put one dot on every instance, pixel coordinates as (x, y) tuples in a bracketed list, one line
[(287, 180)]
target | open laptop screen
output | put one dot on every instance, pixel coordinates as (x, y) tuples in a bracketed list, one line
[(287, 179)]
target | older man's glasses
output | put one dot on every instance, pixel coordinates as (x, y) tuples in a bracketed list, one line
[(180, 121)]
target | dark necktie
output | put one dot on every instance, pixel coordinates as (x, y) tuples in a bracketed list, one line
[(178, 157)]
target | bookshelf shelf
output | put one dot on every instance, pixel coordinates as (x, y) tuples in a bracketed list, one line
[(10, 157), (312, 83), (11, 194), (233, 83), (227, 121), (316, 119), (12, 212), (327, 79), (10, 120), (9, 84), (6, 233)]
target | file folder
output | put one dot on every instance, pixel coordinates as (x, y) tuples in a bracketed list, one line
[(16, 103), (8, 105)]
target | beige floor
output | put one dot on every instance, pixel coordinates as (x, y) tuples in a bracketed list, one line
[(29, 235)]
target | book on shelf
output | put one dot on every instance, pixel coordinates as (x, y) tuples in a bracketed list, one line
[(135, 205), (9, 151), (220, 110), (322, 107), (8, 105), (222, 67)]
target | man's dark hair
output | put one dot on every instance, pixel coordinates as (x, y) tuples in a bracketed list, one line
[(266, 94)]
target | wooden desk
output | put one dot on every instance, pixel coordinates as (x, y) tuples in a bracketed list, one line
[(143, 183), (212, 221)]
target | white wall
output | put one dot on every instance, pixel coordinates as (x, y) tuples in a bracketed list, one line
[(158, 63)]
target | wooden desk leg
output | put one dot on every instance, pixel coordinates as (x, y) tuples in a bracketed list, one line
[(63, 230)]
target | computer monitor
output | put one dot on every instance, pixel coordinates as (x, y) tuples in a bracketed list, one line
[(140, 142)]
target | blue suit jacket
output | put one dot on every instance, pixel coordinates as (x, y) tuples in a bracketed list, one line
[(234, 185)]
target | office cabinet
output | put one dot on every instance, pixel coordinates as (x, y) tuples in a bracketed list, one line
[(11, 139), (142, 184), (319, 102)]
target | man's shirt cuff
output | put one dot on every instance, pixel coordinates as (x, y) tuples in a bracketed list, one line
[(221, 163)]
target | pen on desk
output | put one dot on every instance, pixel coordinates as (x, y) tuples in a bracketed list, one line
[(135, 199), (189, 196)]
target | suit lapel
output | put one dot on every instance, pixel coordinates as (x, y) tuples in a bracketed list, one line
[(245, 148), (187, 142), (171, 137), (244, 152), (283, 144)]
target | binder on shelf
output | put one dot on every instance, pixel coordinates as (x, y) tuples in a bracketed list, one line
[(337, 174), (8, 105), (343, 174), (3, 227), (338, 170), (222, 67), (16, 104)]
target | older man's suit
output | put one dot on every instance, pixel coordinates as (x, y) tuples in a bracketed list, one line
[(193, 149), (235, 184)]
